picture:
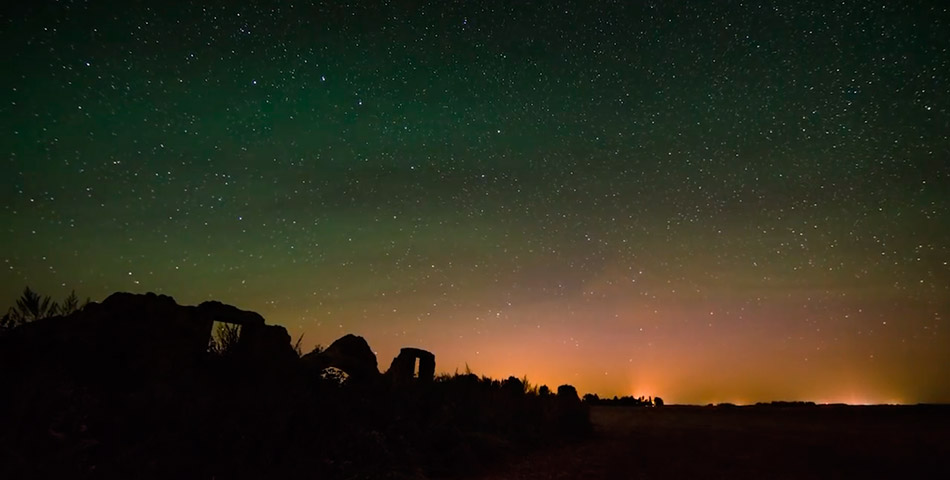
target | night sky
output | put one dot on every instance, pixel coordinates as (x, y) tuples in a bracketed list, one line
[(706, 201)]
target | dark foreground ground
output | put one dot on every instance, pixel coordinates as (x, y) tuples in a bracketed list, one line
[(676, 442)]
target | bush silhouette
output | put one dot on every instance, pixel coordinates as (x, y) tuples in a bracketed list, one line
[(224, 339), (71, 304), (32, 306)]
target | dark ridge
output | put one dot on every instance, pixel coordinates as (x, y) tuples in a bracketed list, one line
[(138, 387)]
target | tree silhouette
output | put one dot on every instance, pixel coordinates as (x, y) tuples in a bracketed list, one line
[(7, 321), (71, 304), (31, 306), (591, 398)]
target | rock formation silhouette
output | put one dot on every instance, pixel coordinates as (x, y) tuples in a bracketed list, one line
[(142, 335), (402, 371), (351, 354), (128, 388)]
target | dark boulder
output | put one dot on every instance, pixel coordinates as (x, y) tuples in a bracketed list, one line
[(349, 353)]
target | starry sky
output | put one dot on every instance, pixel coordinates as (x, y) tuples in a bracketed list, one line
[(707, 201)]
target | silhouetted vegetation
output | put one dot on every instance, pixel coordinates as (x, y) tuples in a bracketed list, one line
[(32, 306), (125, 389), (626, 401), (785, 404), (71, 304), (224, 339)]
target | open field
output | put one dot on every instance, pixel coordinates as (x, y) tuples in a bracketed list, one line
[(752, 442)]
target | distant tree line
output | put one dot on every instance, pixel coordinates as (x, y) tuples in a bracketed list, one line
[(785, 404), (32, 306), (626, 401)]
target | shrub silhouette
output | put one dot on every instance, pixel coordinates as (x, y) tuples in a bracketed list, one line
[(32, 306), (626, 401), (224, 339), (71, 304)]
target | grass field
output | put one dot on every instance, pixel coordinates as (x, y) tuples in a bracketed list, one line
[(683, 442)]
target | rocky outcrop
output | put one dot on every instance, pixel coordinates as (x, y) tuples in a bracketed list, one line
[(217, 311), (402, 371), (133, 337), (349, 353)]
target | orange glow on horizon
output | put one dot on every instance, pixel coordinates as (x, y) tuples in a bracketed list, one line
[(685, 353)]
